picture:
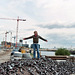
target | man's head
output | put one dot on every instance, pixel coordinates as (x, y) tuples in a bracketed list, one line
[(35, 33)]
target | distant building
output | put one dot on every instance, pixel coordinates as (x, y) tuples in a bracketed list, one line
[(3, 43), (13, 44), (25, 45), (6, 44), (19, 45)]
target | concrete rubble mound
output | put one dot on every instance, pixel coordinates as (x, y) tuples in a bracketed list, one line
[(42, 66)]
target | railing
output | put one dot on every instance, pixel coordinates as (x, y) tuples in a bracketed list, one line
[(70, 58)]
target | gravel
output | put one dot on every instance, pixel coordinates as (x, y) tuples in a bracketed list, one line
[(42, 66)]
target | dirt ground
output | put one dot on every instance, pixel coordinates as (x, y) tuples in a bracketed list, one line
[(5, 56)]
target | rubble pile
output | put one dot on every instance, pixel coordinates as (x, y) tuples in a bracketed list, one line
[(42, 66)]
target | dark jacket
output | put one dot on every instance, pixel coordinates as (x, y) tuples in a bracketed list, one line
[(35, 38)]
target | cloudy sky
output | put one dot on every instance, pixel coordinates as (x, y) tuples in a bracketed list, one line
[(53, 19)]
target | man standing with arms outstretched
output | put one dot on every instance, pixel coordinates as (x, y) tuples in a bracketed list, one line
[(35, 43)]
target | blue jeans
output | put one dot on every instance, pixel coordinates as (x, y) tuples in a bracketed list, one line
[(36, 47)]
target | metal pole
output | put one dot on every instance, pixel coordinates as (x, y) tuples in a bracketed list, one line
[(5, 38), (17, 31), (11, 39), (3, 43), (14, 40)]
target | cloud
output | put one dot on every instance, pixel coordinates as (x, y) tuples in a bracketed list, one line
[(58, 26), (55, 10), (56, 30)]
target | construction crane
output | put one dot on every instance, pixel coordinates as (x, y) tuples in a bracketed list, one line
[(6, 38), (17, 26)]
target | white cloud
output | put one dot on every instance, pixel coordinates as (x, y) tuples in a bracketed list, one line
[(56, 10), (60, 31)]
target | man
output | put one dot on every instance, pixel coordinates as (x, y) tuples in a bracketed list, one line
[(35, 43)]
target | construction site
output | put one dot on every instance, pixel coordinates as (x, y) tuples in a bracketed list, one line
[(18, 59)]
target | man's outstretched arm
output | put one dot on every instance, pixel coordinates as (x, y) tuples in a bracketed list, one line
[(28, 38), (43, 39)]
